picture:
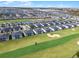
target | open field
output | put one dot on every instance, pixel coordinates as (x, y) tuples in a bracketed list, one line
[(17, 20), (66, 50), (39, 46)]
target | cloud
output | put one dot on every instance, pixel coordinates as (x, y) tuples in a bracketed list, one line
[(6, 2), (60, 6), (26, 3), (16, 3), (33, 4)]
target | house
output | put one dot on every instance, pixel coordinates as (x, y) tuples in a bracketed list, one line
[(4, 37), (16, 35), (29, 32)]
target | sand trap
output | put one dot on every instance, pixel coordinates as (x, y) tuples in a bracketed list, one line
[(73, 29), (77, 42), (54, 35)]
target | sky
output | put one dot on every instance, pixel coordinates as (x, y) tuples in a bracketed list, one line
[(59, 4)]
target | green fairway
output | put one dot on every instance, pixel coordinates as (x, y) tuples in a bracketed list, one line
[(66, 50), (17, 20), (40, 46), (20, 20)]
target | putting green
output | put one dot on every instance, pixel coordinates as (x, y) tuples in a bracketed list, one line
[(40, 46)]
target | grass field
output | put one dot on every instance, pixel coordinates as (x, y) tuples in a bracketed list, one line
[(20, 20), (39, 47), (17, 20), (65, 46), (66, 50)]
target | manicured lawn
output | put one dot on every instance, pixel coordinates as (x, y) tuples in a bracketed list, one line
[(40, 46), (17, 20), (66, 50)]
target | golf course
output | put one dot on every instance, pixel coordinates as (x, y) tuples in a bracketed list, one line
[(64, 46), (39, 29)]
